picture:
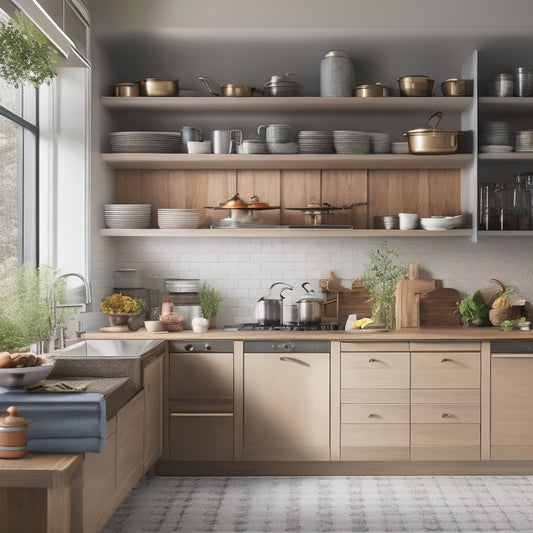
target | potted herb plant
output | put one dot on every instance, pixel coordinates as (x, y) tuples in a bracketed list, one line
[(150, 315), (473, 310), (380, 278), (26, 55), (210, 299)]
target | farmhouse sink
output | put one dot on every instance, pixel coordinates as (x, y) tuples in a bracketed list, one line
[(108, 348)]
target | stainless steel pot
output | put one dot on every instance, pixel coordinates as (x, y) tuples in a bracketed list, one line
[(309, 307), (432, 140), (268, 310)]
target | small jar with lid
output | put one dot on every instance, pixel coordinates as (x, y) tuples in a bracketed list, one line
[(337, 75), (13, 435)]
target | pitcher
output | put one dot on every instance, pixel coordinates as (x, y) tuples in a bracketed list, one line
[(226, 141)]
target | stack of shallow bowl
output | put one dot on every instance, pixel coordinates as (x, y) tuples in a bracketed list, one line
[(524, 141), (178, 218), (437, 223), (127, 216), (145, 141), (351, 142), (315, 142), (380, 143)]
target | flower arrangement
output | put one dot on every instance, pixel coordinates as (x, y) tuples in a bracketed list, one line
[(117, 303)]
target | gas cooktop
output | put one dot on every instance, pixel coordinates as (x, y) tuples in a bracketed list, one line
[(323, 326)]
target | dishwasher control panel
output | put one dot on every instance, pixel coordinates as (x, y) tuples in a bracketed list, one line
[(512, 346), (287, 346)]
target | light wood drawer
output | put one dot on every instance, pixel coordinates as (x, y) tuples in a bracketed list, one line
[(445, 414), (378, 370), (357, 413), (445, 434), (375, 396), (380, 435), (201, 437), (445, 396), (460, 370), (371, 347), (467, 346), (445, 453), (375, 453)]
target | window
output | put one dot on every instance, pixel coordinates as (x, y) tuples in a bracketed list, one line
[(18, 171)]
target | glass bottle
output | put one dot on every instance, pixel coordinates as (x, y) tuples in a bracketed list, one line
[(522, 200)]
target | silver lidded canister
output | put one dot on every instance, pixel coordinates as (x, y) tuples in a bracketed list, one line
[(501, 85), (523, 81), (337, 75)]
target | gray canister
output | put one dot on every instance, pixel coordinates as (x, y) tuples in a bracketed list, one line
[(337, 75)]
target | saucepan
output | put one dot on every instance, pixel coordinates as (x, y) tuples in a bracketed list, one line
[(309, 306), (228, 89), (431, 140)]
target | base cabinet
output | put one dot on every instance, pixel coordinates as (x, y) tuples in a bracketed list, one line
[(153, 413), (512, 407), (286, 407)]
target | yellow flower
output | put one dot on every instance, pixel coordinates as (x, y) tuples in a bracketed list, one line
[(118, 303)]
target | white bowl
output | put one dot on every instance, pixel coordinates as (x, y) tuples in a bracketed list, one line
[(437, 223), (200, 147), (153, 325), (20, 378)]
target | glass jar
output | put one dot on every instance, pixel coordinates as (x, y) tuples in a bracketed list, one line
[(492, 200)]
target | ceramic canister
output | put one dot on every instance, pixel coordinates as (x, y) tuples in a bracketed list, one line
[(337, 75), (13, 435)]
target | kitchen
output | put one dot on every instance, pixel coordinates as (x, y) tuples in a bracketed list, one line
[(383, 43)]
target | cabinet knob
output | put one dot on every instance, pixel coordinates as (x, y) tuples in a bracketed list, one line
[(189, 347)]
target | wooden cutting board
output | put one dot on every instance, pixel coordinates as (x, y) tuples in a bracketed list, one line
[(115, 329), (408, 292), (436, 308)]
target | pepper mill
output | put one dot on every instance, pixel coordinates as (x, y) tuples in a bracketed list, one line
[(13, 435)]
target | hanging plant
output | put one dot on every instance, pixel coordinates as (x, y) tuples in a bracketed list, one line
[(26, 55)]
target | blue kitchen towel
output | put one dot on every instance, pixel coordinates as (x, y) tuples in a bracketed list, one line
[(61, 423)]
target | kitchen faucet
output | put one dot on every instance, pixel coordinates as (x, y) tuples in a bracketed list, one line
[(59, 331)]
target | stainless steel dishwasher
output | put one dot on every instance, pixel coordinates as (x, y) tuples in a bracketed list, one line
[(201, 400), (512, 400), (286, 400)]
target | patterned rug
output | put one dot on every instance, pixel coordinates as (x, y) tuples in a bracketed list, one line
[(330, 504)]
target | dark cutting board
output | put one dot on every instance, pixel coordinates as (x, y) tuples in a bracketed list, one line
[(437, 308)]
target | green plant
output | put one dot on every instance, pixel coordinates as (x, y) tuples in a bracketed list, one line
[(380, 278), (511, 324), (210, 299), (147, 311), (26, 55), (472, 308), (25, 304)]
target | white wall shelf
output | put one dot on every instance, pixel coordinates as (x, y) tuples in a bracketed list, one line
[(144, 161), (283, 232)]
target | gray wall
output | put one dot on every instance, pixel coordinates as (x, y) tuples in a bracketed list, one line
[(237, 41)]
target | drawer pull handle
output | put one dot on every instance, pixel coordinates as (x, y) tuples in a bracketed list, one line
[(372, 415), (293, 360), (447, 415), (373, 360), (445, 360)]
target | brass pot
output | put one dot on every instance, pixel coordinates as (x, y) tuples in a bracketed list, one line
[(456, 87), (416, 86), (372, 90), (126, 89), (158, 87), (228, 89), (432, 140)]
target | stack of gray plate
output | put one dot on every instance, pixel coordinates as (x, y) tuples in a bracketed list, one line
[(178, 218), (524, 141), (145, 141), (127, 216), (351, 142), (315, 142), (495, 137), (380, 143)]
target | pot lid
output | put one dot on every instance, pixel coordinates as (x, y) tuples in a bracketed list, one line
[(336, 53), (14, 418)]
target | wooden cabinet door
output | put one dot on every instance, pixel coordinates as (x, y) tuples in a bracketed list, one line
[(512, 408), (153, 412), (286, 406)]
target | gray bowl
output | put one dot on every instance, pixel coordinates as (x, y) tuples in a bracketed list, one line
[(20, 378)]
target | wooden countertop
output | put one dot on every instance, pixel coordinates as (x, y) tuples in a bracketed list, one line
[(411, 334)]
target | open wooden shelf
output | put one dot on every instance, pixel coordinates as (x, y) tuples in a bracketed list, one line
[(313, 104), (144, 161), (511, 104), (283, 232)]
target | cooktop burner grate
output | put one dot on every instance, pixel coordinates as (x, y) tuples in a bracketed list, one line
[(323, 326)]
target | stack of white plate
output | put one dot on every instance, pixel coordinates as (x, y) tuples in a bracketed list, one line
[(380, 143), (127, 216), (178, 218), (315, 142), (351, 142), (145, 141), (437, 223), (524, 141)]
